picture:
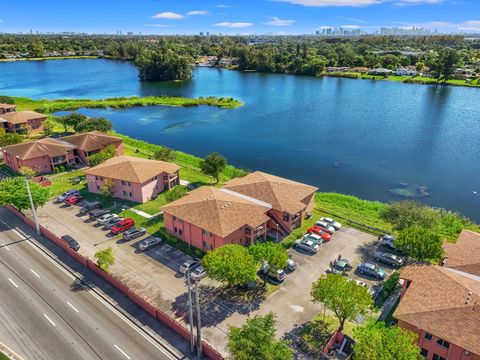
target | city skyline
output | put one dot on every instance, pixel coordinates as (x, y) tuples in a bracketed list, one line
[(277, 17)]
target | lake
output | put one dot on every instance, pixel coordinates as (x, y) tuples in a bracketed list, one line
[(357, 137)]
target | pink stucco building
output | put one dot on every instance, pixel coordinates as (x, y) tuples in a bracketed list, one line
[(207, 218), (45, 154), (290, 201), (132, 178), (21, 121), (441, 304)]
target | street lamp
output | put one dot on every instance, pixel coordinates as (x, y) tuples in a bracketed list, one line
[(32, 205), (277, 232)]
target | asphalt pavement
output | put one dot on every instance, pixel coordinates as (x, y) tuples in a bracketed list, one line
[(47, 313)]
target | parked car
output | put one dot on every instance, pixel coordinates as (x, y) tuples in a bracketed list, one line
[(108, 224), (189, 265), (97, 213), (198, 273), (61, 198), (317, 239), (319, 231), (71, 242), (278, 275), (149, 243), (340, 267), (388, 241), (371, 270), (134, 233), (371, 290), (122, 226), (72, 200), (306, 245), (332, 222), (291, 265), (324, 225), (107, 217), (88, 207), (390, 259)]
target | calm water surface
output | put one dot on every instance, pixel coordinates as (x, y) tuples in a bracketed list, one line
[(351, 136)]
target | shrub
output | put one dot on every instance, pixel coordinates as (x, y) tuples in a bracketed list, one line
[(176, 193)]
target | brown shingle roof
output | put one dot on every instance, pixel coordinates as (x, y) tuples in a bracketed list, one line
[(133, 169), (217, 211), (282, 194), (464, 255), (91, 141), (21, 117), (35, 149), (436, 302), (7, 106)]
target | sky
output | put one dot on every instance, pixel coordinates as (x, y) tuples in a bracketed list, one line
[(235, 16)]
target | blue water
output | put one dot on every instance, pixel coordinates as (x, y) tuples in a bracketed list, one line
[(357, 137)]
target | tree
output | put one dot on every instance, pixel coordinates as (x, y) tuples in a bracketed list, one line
[(446, 63), (176, 193), (27, 171), (13, 191), (420, 244), (108, 188), (274, 254), (73, 120), (162, 64), (9, 138), (165, 154), (231, 264), (420, 66), (213, 165), (105, 258), (378, 342), (256, 340), (101, 156), (48, 127), (404, 214), (94, 124), (345, 298)]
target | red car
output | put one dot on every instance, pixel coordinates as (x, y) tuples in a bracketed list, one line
[(320, 232), (122, 226), (72, 200)]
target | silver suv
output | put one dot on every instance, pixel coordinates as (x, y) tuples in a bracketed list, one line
[(134, 233), (61, 198), (306, 245), (149, 243)]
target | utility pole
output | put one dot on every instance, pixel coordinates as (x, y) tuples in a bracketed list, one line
[(190, 312), (199, 325), (34, 212)]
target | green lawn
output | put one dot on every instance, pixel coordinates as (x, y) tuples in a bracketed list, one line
[(3, 356)]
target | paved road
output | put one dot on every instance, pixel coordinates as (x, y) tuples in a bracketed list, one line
[(43, 316)]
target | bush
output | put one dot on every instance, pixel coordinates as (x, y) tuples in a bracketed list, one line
[(176, 193), (7, 100)]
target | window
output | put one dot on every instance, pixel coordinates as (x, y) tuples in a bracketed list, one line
[(443, 343), (125, 193), (180, 232), (248, 231), (206, 245), (130, 194), (437, 357), (98, 188), (175, 229), (126, 183), (424, 352), (206, 233), (174, 218), (427, 336), (286, 216)]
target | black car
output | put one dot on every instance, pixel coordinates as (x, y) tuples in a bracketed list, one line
[(88, 207), (95, 214), (71, 242)]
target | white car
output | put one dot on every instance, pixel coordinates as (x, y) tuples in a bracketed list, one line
[(198, 273), (107, 217), (332, 222), (326, 226), (73, 192)]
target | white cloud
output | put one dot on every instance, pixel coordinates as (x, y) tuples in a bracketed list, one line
[(234, 25), (197, 12), (351, 19), (352, 27), (324, 3), (224, 6), (417, 2), (157, 25), (279, 22), (168, 15)]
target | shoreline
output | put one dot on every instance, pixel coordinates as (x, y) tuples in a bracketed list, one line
[(45, 58)]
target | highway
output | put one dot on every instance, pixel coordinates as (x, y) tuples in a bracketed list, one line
[(44, 315)]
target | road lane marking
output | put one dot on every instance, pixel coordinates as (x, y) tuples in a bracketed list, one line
[(34, 273), (6, 247), (13, 282), (123, 352), (49, 320), (73, 307)]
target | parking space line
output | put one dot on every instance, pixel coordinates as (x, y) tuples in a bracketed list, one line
[(49, 320), (73, 307), (13, 282), (34, 273), (123, 352)]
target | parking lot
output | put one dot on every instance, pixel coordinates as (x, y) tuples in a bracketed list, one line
[(154, 273)]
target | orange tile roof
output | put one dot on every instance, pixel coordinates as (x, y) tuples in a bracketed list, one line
[(464, 255), (35, 149), (91, 141), (20, 117), (133, 169), (282, 194), (436, 302), (217, 211)]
